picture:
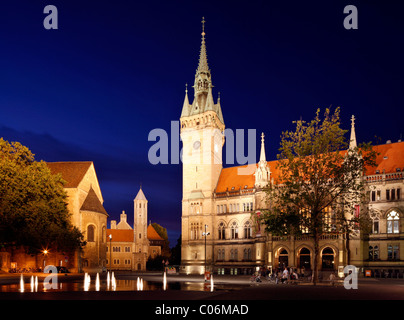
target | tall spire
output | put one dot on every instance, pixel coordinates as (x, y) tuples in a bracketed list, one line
[(262, 155), (203, 58), (262, 173), (352, 141)]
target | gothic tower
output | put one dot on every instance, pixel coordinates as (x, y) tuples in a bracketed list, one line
[(140, 222), (202, 135)]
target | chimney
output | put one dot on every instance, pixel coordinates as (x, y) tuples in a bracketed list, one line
[(113, 224)]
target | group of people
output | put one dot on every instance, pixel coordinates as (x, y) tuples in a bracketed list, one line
[(283, 275)]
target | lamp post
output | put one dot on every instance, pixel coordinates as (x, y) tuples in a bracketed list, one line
[(45, 252), (110, 252), (205, 234)]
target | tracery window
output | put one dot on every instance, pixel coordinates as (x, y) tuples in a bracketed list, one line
[(393, 222), (222, 232), (234, 230), (248, 230)]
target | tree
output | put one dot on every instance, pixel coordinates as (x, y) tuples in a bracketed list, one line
[(320, 182), (33, 208), (165, 250)]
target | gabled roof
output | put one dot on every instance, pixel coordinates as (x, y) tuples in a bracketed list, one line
[(92, 203), (120, 235), (390, 158), (152, 234), (72, 172)]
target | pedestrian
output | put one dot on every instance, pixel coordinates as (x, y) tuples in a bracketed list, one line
[(285, 275)]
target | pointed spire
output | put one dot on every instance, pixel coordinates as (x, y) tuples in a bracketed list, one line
[(352, 141), (262, 173), (203, 59), (262, 155), (185, 106)]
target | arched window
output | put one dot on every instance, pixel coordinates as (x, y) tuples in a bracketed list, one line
[(222, 232), (304, 258), (248, 230), (393, 220), (90, 233), (328, 258), (247, 254), (234, 230)]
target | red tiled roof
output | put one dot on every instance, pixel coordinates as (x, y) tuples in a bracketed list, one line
[(152, 233), (120, 235), (391, 157), (72, 172)]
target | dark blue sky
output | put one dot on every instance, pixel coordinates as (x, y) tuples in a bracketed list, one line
[(115, 70)]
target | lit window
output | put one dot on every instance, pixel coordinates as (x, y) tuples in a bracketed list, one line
[(393, 220)]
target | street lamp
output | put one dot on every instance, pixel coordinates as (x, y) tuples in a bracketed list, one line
[(110, 252), (205, 234), (45, 252)]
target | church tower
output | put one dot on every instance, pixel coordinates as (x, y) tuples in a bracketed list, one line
[(140, 222), (202, 133)]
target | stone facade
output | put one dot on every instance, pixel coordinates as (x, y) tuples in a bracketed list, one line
[(85, 200), (129, 249), (224, 202)]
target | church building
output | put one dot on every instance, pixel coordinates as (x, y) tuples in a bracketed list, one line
[(219, 205), (129, 249)]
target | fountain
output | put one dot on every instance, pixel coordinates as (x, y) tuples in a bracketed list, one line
[(22, 283), (139, 284), (32, 284), (165, 281), (97, 282), (113, 282), (211, 283), (87, 281), (108, 280)]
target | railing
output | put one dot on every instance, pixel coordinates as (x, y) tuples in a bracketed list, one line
[(380, 177), (234, 193)]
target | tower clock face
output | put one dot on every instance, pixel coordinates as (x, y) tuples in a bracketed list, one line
[(197, 145)]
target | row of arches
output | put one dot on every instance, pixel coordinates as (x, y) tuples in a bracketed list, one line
[(304, 258)]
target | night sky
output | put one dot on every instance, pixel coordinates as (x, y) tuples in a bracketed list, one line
[(115, 70)]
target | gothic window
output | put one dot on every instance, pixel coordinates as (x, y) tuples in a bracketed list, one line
[(194, 231), (234, 230), (248, 230), (234, 254), (220, 254), (373, 253), (222, 233), (393, 220), (375, 226), (247, 254), (90, 233)]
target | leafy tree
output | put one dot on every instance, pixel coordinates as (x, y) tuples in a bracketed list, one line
[(33, 208), (320, 182), (165, 250)]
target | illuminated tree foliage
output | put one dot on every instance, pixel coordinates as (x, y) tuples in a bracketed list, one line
[(33, 208), (320, 182)]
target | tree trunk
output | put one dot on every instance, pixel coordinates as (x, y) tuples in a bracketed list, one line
[(316, 256)]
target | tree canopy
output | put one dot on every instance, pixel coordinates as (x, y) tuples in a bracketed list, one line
[(320, 182), (33, 208)]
